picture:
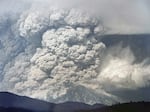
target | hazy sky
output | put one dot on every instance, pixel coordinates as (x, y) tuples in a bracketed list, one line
[(119, 16)]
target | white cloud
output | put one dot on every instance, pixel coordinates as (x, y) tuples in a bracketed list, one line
[(121, 71)]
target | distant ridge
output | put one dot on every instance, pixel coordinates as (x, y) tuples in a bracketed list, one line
[(4, 109), (13, 103), (10, 101), (125, 107), (134, 41)]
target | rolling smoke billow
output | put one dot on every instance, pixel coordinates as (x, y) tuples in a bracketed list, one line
[(57, 55)]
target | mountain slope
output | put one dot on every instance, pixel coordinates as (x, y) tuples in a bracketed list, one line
[(9, 101), (4, 109), (126, 107), (12, 100)]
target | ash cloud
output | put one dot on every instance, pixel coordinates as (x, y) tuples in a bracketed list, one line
[(119, 16), (57, 55)]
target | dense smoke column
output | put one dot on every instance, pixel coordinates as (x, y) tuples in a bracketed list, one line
[(69, 55), (57, 55), (61, 53)]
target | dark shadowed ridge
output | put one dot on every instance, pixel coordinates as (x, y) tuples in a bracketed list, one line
[(75, 106), (126, 107), (4, 109), (9, 101), (12, 100), (14, 103)]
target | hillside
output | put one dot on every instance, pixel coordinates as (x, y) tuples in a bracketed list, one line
[(15, 103), (4, 109), (126, 107)]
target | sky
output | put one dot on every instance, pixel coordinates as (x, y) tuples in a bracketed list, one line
[(56, 50), (119, 16)]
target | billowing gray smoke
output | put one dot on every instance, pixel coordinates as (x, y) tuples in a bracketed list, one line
[(57, 55)]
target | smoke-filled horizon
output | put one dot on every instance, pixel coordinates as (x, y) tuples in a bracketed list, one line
[(118, 16), (57, 51)]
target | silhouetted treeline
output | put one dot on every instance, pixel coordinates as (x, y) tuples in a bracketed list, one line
[(126, 107)]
